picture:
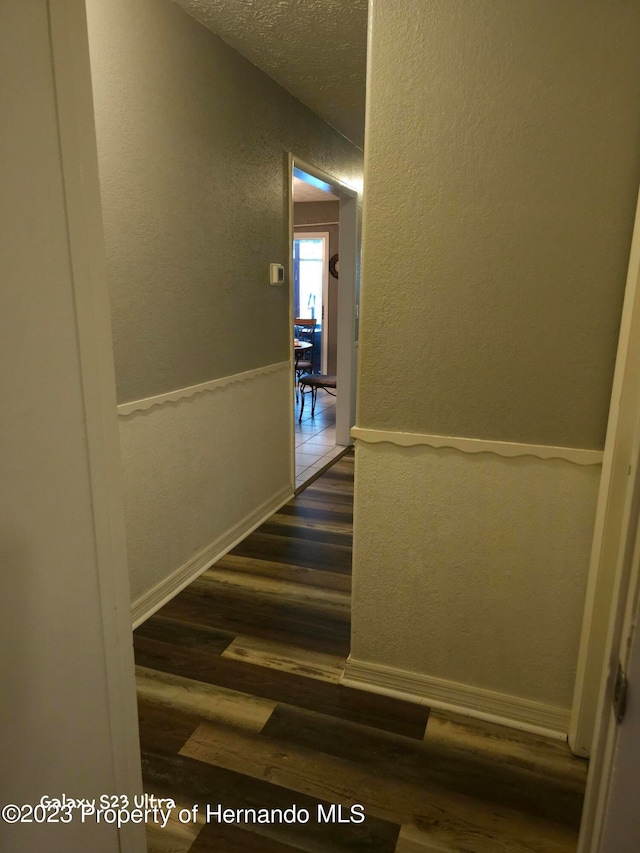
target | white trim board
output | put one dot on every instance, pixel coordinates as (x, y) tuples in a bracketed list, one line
[(159, 595), (76, 127), (297, 225), (606, 632), (600, 612), (191, 390), (500, 708), (508, 449)]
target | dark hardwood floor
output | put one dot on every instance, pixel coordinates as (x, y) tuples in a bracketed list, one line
[(240, 705)]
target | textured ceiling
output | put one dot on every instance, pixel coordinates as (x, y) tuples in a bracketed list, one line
[(316, 49)]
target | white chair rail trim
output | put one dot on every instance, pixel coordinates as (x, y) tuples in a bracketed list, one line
[(508, 449), (202, 388)]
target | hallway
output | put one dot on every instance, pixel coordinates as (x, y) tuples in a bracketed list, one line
[(240, 704)]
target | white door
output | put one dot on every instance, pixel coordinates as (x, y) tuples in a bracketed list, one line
[(621, 831), (611, 819)]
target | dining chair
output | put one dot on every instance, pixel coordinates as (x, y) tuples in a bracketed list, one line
[(310, 382), (306, 331)]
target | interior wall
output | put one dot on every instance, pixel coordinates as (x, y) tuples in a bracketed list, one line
[(191, 143), (502, 165), (313, 212), (327, 214), (58, 735), (502, 173), (191, 138)]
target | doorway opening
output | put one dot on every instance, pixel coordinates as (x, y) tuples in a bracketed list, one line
[(323, 298)]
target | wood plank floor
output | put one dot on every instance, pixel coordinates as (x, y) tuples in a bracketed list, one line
[(240, 705)]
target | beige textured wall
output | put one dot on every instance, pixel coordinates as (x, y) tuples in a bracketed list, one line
[(313, 212), (502, 167), (191, 140), (324, 212), (501, 173)]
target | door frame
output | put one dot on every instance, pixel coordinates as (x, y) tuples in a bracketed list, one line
[(609, 538), (615, 570), (621, 637), (76, 123), (347, 291)]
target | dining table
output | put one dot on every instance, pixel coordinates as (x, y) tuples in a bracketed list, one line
[(299, 347)]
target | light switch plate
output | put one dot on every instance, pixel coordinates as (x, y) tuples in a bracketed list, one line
[(276, 274)]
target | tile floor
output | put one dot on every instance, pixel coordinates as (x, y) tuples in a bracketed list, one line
[(315, 437)]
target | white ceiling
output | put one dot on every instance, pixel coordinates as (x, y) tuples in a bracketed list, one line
[(316, 49)]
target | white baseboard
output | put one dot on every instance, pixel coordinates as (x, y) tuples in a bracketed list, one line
[(159, 595), (464, 699)]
